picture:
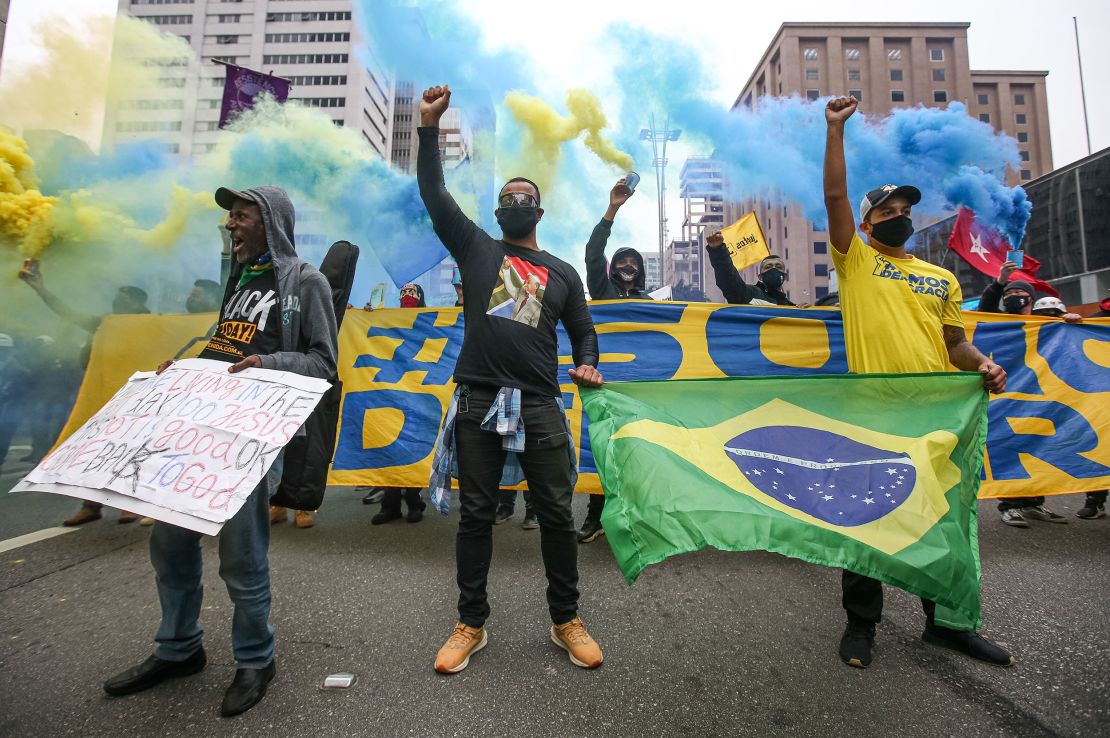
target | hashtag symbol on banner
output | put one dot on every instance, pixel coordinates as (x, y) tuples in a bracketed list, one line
[(413, 341)]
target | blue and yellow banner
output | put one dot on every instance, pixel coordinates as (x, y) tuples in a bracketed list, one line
[(1048, 434)]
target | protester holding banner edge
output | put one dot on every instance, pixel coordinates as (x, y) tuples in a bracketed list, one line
[(902, 318), (507, 372)]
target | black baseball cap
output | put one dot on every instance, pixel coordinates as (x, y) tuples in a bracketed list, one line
[(226, 197), (876, 197)]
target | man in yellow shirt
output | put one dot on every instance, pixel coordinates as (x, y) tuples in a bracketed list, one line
[(901, 315)]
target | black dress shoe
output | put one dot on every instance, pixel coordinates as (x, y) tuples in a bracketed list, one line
[(153, 672), (247, 690)]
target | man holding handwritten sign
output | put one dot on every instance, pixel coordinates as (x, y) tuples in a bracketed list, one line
[(197, 446)]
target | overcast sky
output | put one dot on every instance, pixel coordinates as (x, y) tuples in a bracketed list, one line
[(566, 42)]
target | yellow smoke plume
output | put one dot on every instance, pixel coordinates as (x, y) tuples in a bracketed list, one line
[(31, 221), (84, 69), (546, 131)]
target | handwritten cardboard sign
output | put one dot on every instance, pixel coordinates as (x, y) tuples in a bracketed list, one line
[(186, 447)]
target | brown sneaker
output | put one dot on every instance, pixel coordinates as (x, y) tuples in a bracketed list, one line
[(304, 518), (126, 517), (82, 516), (278, 514), (463, 643), (573, 638)]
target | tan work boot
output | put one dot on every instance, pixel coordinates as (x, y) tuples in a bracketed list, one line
[(573, 638), (84, 515), (304, 518), (463, 643), (278, 514)]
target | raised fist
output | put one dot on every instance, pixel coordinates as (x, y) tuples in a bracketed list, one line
[(714, 240), (434, 104), (839, 109)]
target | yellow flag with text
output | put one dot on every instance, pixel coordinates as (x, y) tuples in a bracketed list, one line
[(745, 242)]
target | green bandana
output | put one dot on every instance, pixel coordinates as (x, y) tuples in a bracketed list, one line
[(259, 266)]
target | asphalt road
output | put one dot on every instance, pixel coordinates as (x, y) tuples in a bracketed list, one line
[(707, 644)]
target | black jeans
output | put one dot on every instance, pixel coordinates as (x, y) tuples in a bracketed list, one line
[(506, 502), (1096, 498), (391, 499), (863, 599), (1018, 503), (549, 473), (597, 504)]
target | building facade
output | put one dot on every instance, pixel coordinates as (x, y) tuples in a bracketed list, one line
[(702, 189), (885, 66), (313, 43), (1068, 232)]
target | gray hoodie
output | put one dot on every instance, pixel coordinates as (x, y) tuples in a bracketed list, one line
[(309, 342)]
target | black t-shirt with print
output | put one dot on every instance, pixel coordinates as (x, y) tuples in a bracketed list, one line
[(513, 297), (250, 322)]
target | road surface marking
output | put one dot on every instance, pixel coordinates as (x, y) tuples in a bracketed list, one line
[(39, 535)]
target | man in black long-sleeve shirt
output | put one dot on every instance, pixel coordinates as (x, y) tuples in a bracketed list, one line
[(626, 280), (507, 371), (767, 291)]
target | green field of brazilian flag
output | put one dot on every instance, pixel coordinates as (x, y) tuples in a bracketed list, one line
[(877, 474)]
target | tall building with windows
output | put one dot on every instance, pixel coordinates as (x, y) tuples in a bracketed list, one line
[(455, 138), (313, 43), (885, 66), (702, 189)]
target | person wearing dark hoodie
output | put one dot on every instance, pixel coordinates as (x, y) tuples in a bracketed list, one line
[(767, 291), (624, 279), (412, 296), (277, 314)]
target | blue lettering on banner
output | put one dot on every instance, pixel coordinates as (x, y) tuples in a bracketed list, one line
[(391, 369), (733, 337), (1062, 346), (1074, 436), (422, 416), (657, 354), (1005, 344)]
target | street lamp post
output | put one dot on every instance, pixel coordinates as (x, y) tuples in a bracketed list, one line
[(659, 139)]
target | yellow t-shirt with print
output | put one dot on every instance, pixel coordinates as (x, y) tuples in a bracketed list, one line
[(894, 310)]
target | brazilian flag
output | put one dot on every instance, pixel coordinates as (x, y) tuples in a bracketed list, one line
[(877, 474)]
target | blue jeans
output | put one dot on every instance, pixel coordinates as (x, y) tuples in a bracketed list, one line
[(245, 569)]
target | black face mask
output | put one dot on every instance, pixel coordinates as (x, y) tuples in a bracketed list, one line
[(628, 273), (773, 278), (517, 222), (1014, 303), (894, 232)]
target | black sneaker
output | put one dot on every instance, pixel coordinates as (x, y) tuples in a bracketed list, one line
[(385, 516), (373, 496), (1040, 512), (969, 642), (590, 531), (416, 514), (1091, 512), (503, 516), (856, 644), (530, 522)]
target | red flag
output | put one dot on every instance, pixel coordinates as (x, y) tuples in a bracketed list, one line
[(985, 249)]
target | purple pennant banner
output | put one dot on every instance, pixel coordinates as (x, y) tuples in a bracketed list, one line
[(243, 85)]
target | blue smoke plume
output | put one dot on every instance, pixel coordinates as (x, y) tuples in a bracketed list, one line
[(779, 145)]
